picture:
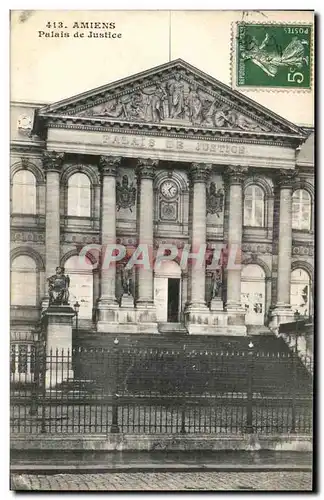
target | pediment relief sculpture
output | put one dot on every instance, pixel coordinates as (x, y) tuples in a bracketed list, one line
[(175, 100), (174, 94)]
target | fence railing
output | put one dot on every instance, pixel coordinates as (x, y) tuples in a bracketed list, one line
[(161, 391)]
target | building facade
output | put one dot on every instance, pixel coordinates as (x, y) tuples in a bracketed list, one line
[(176, 162)]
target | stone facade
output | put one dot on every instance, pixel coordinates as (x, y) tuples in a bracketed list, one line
[(215, 171)]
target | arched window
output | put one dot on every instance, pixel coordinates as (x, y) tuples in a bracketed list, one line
[(300, 293), (24, 281), (79, 196), (81, 284), (24, 192), (254, 206), (301, 210)]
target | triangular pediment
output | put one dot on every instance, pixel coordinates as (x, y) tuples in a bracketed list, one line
[(173, 95)]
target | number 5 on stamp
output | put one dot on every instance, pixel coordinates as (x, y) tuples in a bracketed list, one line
[(273, 55)]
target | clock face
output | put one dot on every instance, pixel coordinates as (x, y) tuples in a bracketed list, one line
[(169, 189)]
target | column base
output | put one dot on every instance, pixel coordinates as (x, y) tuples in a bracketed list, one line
[(236, 316), (127, 318), (107, 314), (146, 316), (281, 313), (203, 321)]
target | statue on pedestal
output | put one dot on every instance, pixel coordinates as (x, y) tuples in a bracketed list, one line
[(127, 281), (58, 288), (217, 285)]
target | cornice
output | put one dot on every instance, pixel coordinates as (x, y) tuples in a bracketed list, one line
[(158, 130), (24, 146)]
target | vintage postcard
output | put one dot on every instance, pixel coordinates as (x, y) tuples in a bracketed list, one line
[(162, 250)]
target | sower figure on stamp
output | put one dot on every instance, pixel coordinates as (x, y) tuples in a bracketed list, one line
[(58, 287)]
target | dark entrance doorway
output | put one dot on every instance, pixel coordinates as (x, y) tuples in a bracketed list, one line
[(173, 300)]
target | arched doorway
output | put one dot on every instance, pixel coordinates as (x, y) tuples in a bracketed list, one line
[(300, 296), (167, 292), (253, 294), (81, 284)]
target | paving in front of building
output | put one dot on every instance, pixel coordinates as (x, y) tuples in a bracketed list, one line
[(169, 481)]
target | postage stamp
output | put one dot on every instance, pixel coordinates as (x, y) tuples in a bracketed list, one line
[(273, 55)]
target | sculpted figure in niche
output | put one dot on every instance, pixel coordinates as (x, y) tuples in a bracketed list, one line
[(217, 284), (127, 282), (58, 287), (176, 97)]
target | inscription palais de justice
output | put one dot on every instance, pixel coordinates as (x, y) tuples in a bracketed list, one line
[(172, 144)]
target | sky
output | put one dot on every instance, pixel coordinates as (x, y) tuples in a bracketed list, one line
[(48, 69)]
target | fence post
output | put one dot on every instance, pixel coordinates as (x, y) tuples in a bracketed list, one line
[(294, 361), (250, 368), (43, 385), (114, 425), (35, 387)]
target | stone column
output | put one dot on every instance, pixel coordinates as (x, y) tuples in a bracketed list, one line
[(107, 304), (234, 176), (282, 312), (145, 176), (199, 173), (52, 163)]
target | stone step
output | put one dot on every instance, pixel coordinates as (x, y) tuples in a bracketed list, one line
[(172, 328)]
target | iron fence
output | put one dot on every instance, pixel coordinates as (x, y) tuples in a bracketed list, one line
[(140, 391)]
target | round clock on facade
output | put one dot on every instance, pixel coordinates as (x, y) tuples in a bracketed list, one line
[(169, 189)]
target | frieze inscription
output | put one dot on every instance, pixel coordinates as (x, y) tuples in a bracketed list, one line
[(142, 142)]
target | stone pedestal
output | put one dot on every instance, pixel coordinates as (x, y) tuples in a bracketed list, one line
[(59, 344), (216, 304), (127, 302)]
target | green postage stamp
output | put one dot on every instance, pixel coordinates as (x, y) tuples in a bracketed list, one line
[(273, 55)]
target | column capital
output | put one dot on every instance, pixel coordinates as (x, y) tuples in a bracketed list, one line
[(52, 161), (235, 174), (199, 172), (286, 178), (108, 165), (145, 168)]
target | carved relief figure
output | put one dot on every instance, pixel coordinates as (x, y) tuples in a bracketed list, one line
[(135, 106), (125, 194), (155, 100), (176, 97), (194, 105), (214, 199), (58, 287), (114, 109)]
